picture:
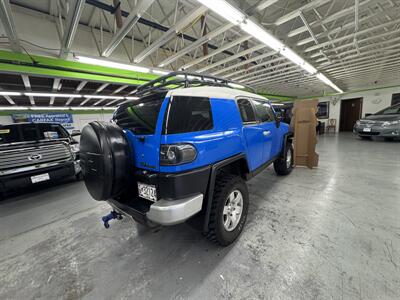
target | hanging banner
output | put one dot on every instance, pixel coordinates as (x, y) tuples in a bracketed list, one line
[(64, 119)]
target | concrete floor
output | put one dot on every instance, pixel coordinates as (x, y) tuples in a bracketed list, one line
[(328, 233)]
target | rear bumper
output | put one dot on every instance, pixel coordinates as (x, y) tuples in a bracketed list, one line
[(58, 171), (180, 196), (163, 212)]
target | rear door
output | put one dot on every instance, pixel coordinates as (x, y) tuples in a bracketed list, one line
[(267, 121), (252, 132)]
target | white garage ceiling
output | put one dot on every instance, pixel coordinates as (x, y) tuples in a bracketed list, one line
[(355, 43)]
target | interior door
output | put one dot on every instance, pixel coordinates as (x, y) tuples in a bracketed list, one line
[(253, 133), (350, 112)]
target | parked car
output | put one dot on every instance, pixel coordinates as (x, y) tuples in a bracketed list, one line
[(32, 153), (385, 123), (185, 155)]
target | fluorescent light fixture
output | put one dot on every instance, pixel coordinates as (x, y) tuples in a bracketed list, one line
[(111, 64), (59, 95), (225, 10), (309, 68), (132, 98), (13, 108), (325, 80), (5, 93), (292, 56), (103, 97), (48, 108), (235, 85), (159, 72), (92, 108), (262, 35)]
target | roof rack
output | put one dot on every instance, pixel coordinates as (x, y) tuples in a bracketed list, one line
[(181, 79)]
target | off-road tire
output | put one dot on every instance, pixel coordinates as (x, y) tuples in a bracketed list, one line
[(280, 165), (224, 185)]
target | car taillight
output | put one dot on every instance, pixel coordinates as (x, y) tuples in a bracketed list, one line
[(177, 154)]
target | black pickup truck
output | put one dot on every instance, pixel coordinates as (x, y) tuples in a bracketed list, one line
[(32, 153)]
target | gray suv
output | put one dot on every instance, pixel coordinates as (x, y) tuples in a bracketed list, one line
[(385, 123)]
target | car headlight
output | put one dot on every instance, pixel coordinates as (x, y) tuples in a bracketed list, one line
[(390, 123), (75, 148)]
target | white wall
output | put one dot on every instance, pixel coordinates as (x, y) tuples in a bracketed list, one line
[(373, 101), (80, 120)]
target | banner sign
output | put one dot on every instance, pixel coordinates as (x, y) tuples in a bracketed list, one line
[(62, 118)]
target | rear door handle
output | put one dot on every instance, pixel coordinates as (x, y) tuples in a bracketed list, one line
[(266, 133)]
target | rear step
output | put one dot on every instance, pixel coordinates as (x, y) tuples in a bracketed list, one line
[(136, 208)]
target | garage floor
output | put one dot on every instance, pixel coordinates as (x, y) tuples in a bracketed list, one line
[(327, 233)]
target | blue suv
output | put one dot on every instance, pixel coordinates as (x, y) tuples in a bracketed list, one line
[(183, 152)]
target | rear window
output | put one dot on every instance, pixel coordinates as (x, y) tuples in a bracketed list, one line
[(31, 132), (188, 114), (140, 116)]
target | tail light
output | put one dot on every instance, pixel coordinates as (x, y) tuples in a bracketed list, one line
[(177, 154)]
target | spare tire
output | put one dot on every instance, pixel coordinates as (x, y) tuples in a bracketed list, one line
[(105, 159)]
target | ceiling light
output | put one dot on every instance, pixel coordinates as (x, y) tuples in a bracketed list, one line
[(262, 35), (53, 95), (48, 108), (111, 64), (159, 72), (225, 10), (132, 98), (325, 80), (103, 97), (13, 108), (309, 68), (10, 93)]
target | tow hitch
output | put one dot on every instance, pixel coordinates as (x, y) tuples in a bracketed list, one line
[(112, 215)]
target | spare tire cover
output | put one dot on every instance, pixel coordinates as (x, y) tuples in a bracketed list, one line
[(105, 158)]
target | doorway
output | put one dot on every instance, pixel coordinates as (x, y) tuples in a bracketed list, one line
[(350, 112)]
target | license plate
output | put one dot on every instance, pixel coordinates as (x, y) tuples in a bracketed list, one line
[(367, 129), (147, 191), (40, 178)]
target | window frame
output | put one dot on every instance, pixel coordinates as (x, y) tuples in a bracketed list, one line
[(257, 121), (270, 106), (164, 130)]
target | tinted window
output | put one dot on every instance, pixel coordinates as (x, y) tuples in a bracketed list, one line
[(264, 111), (246, 111), (188, 114), (9, 134), (140, 116), (31, 132)]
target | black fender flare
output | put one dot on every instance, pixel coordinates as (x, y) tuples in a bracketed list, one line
[(287, 141), (211, 184)]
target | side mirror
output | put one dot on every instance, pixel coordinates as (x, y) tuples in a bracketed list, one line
[(75, 132)]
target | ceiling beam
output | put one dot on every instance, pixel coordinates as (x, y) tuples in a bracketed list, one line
[(7, 20), (265, 4), (80, 86), (194, 45), (129, 22), (217, 51), (296, 12), (172, 32), (73, 17), (27, 84)]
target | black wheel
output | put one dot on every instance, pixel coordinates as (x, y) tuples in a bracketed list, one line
[(229, 210), (284, 165), (365, 137)]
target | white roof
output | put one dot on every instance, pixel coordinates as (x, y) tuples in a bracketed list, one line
[(213, 92)]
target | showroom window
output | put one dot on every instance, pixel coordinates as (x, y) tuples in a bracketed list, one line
[(264, 111), (246, 111), (188, 114)]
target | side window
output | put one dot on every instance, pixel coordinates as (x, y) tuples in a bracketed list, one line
[(188, 114), (246, 111), (264, 111)]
